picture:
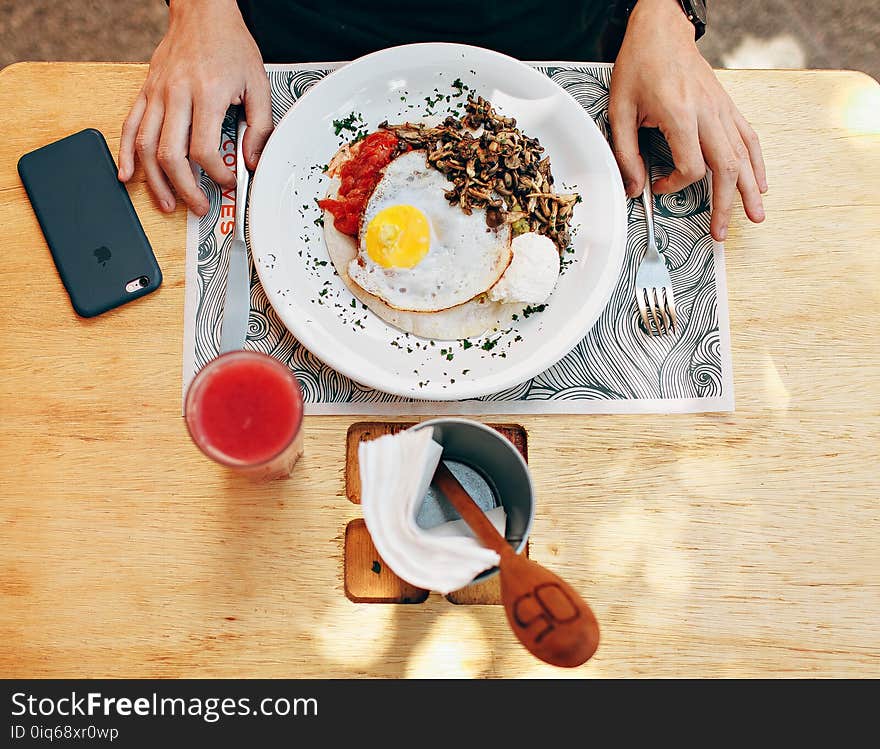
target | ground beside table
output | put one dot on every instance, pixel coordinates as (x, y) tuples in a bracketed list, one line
[(709, 545)]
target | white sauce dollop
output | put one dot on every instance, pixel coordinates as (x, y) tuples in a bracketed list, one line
[(532, 272)]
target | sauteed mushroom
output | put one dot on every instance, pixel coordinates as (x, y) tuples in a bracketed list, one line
[(497, 162)]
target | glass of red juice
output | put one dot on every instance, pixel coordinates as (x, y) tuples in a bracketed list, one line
[(244, 409)]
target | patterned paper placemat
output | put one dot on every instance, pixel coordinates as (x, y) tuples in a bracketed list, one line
[(616, 368)]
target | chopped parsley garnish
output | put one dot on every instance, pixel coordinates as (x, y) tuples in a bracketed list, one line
[(489, 343), (466, 344), (354, 124), (532, 310)]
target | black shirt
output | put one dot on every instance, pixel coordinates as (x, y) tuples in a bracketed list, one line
[(330, 30)]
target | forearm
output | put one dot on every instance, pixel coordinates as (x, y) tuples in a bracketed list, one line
[(201, 6), (666, 13)]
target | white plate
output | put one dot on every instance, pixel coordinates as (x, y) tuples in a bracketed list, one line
[(312, 301)]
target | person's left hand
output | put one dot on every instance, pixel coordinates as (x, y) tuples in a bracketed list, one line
[(661, 80)]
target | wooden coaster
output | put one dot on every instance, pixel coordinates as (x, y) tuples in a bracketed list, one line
[(367, 578), (363, 431)]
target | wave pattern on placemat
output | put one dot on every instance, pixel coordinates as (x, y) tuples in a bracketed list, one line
[(288, 85), (213, 264), (589, 87), (616, 360)]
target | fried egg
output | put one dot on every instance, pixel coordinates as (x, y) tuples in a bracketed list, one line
[(417, 252)]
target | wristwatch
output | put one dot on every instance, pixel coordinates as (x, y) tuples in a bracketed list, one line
[(695, 10)]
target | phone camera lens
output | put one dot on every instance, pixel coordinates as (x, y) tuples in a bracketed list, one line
[(144, 281)]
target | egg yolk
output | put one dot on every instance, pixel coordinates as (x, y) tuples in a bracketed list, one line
[(398, 237)]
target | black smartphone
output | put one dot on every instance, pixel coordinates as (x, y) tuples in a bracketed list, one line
[(95, 237)]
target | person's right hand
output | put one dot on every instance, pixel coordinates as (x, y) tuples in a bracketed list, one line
[(206, 61)]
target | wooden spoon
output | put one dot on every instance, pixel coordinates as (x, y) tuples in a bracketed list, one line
[(547, 615)]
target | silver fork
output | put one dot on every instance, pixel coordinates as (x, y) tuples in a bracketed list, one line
[(653, 284)]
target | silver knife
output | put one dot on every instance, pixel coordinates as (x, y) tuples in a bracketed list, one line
[(237, 305)]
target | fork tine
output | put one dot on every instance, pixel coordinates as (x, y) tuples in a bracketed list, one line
[(652, 305), (670, 303), (640, 300), (670, 308), (661, 307)]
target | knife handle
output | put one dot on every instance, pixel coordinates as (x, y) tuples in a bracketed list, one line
[(242, 177)]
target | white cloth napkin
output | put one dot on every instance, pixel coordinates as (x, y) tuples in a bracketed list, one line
[(396, 471)]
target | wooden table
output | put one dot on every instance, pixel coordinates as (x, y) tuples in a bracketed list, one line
[(745, 544)]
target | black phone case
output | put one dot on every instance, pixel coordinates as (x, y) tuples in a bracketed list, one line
[(87, 218)]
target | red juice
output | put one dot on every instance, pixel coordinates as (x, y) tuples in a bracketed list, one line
[(244, 409)]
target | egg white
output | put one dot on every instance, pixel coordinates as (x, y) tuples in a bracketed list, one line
[(465, 257)]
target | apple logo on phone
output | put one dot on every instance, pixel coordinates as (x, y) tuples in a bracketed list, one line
[(102, 254)]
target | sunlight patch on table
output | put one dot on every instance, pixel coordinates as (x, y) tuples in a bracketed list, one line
[(454, 648), (777, 394), (616, 543), (861, 108), (642, 549), (708, 472), (352, 635), (638, 540), (668, 569)]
